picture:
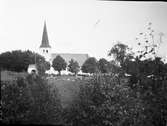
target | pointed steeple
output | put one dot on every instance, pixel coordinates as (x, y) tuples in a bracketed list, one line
[(45, 40)]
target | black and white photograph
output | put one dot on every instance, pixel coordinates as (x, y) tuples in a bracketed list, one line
[(83, 62)]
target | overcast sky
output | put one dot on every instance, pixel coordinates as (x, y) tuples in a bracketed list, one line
[(76, 26)]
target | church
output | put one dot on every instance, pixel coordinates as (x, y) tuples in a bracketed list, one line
[(45, 50)]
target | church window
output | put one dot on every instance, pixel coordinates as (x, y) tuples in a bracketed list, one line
[(47, 51)]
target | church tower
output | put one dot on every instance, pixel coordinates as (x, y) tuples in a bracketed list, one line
[(45, 48)]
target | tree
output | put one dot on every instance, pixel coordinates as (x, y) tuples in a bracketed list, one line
[(113, 67), (121, 53), (19, 60), (42, 67), (59, 64), (73, 66), (103, 65), (90, 65), (148, 43)]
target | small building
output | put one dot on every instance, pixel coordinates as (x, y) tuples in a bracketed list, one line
[(32, 69)]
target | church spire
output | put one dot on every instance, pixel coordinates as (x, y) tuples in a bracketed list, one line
[(45, 40)]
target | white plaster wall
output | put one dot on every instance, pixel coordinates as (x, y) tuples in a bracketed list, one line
[(30, 70)]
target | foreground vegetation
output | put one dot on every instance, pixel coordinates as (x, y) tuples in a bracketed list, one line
[(102, 100), (110, 101), (29, 101)]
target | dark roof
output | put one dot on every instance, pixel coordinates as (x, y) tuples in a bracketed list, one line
[(80, 58), (45, 40)]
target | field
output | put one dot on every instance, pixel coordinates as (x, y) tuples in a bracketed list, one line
[(68, 86), (9, 76)]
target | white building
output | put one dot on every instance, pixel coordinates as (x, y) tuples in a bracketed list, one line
[(32, 69), (45, 50)]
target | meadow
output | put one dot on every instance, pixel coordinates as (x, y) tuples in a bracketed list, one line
[(10, 75), (68, 86)]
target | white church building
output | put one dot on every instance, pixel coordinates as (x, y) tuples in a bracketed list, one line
[(46, 50)]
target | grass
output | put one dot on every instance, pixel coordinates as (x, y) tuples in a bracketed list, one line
[(10, 76), (68, 87)]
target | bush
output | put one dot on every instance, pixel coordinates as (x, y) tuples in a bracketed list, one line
[(16, 102), (102, 101), (109, 100), (29, 101)]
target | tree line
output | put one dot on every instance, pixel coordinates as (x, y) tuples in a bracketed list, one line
[(91, 65), (19, 60)]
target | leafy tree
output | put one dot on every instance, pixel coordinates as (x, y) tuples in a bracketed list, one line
[(19, 60), (73, 66), (147, 44), (121, 53), (59, 64), (113, 67), (103, 65), (90, 65), (42, 67)]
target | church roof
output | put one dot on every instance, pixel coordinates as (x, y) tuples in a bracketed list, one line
[(80, 58), (45, 40)]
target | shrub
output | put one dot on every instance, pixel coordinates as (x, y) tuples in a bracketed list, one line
[(102, 101), (16, 102), (109, 100), (29, 101)]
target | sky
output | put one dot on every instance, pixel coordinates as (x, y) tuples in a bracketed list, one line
[(76, 26)]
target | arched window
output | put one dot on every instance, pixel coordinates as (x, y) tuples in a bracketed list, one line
[(46, 51), (43, 50)]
